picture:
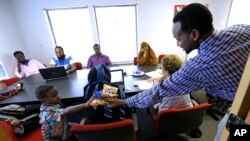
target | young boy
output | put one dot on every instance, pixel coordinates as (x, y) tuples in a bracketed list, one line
[(52, 115)]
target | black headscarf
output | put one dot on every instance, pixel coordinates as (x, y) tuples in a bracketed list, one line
[(99, 73)]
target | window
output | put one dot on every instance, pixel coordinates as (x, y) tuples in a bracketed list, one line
[(113, 27), (239, 12), (72, 30), (117, 32)]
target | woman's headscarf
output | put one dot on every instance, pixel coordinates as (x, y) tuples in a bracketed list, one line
[(99, 73)]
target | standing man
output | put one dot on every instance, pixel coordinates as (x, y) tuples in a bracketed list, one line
[(26, 67), (98, 58), (217, 68), (62, 60)]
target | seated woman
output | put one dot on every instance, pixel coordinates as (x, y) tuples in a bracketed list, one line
[(169, 65), (146, 55), (99, 82)]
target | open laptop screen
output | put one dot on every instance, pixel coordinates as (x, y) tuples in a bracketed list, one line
[(117, 77)]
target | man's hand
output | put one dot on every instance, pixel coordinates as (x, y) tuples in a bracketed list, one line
[(114, 102), (18, 67)]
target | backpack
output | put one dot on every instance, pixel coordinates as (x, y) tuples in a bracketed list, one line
[(97, 77)]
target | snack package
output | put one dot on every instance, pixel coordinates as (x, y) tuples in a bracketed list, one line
[(109, 90)]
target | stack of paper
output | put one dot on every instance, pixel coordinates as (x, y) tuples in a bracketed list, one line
[(144, 84), (82, 74), (154, 74)]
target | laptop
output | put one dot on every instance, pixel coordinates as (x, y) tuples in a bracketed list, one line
[(117, 78), (53, 73)]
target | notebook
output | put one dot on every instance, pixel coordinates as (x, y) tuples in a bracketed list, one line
[(53, 73), (117, 78)]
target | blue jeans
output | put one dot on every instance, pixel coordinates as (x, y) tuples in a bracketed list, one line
[(221, 126)]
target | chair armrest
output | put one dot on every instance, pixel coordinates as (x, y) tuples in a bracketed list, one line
[(194, 102)]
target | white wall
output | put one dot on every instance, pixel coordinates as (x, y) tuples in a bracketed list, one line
[(10, 37), (154, 22)]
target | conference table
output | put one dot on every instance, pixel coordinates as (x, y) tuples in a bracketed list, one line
[(72, 87)]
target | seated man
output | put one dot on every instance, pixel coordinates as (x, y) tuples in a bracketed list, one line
[(98, 58), (62, 60), (26, 67)]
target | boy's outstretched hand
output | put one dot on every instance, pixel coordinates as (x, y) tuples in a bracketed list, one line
[(114, 102), (89, 102)]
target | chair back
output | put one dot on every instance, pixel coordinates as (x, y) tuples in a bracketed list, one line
[(78, 65), (116, 131), (135, 61), (160, 57), (176, 121), (10, 81)]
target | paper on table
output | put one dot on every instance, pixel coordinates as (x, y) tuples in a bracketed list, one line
[(153, 74), (82, 74), (129, 72), (144, 84)]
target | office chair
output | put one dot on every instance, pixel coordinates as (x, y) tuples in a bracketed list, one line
[(78, 65), (35, 135), (116, 131), (10, 81), (135, 61), (171, 122), (160, 57)]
